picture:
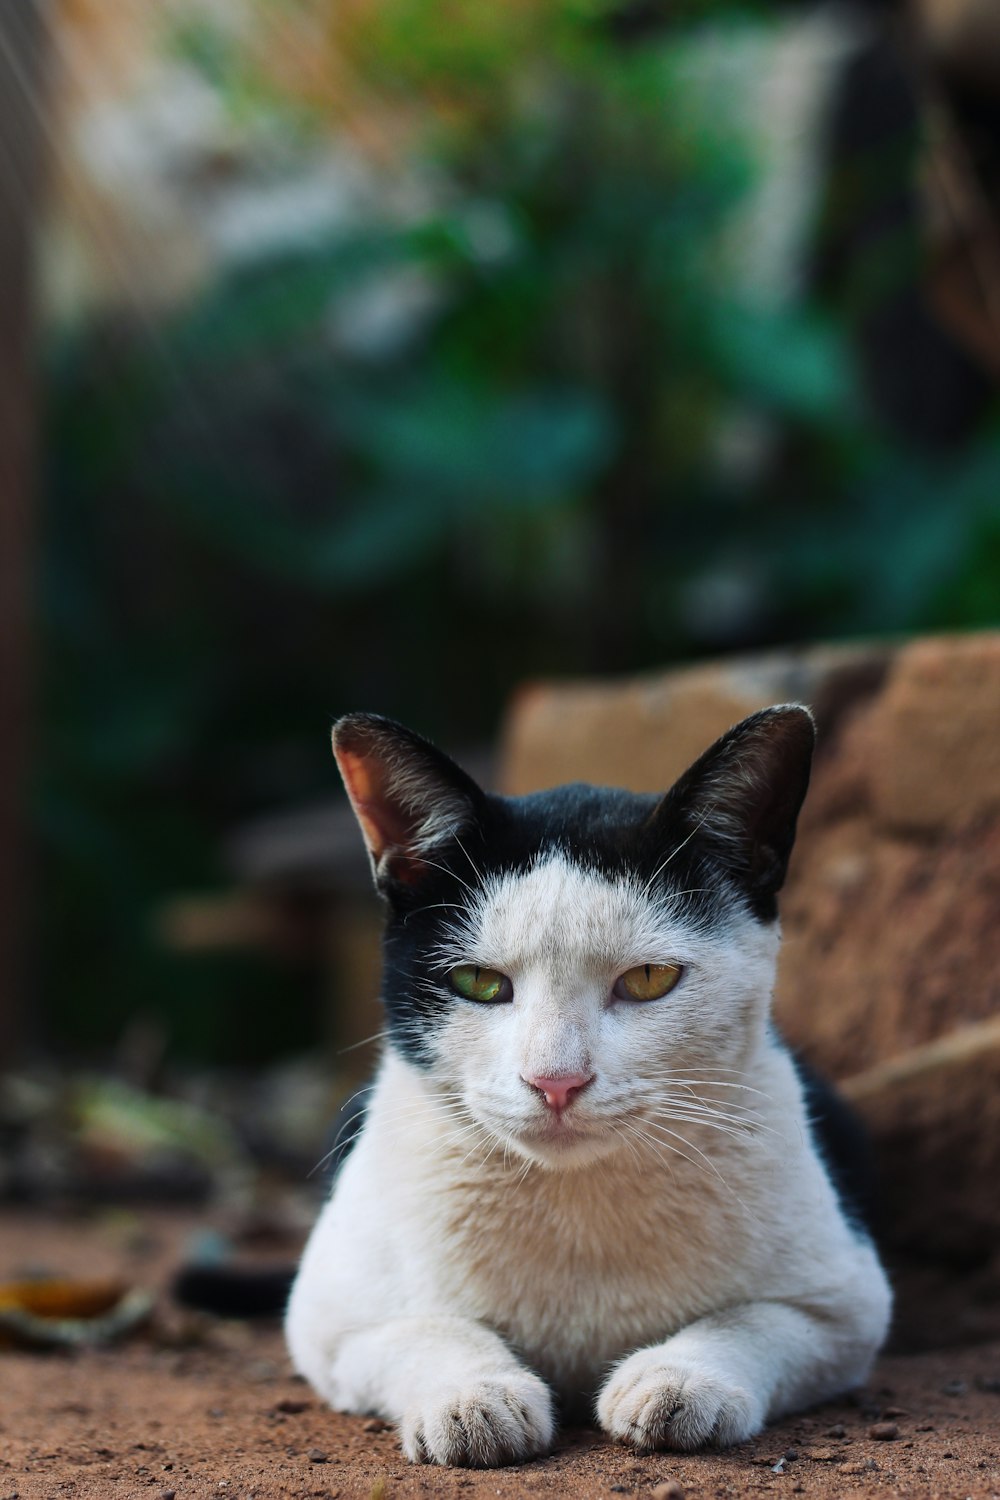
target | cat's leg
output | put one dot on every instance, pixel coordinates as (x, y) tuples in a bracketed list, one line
[(720, 1379), (456, 1391)]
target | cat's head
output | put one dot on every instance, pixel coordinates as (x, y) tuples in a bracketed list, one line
[(559, 963)]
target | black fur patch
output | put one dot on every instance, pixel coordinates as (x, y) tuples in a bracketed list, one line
[(842, 1145)]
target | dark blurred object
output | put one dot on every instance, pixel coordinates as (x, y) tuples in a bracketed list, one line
[(235, 1291), (962, 46), (910, 246), (21, 109)]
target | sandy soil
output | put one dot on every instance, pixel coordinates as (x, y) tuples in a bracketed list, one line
[(199, 1408)]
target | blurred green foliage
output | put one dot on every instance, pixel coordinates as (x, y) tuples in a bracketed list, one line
[(536, 428)]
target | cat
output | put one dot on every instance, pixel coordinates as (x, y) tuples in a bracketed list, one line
[(586, 1180)]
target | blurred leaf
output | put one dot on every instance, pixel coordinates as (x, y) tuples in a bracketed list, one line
[(793, 363)]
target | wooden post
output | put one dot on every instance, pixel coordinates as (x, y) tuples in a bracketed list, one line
[(20, 166)]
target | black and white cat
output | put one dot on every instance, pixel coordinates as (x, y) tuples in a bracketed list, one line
[(587, 1178)]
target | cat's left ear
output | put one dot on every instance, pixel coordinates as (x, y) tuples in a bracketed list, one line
[(407, 796), (740, 800)]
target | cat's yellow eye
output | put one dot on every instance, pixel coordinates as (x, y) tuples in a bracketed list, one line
[(647, 982), (488, 986)]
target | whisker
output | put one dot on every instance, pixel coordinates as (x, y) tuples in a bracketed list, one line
[(739, 1131), (709, 1163), (445, 871), (376, 1036), (736, 1112), (677, 849), (475, 868)]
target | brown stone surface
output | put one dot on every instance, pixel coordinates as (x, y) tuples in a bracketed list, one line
[(934, 1114), (936, 760), (222, 1416), (643, 732), (888, 942)]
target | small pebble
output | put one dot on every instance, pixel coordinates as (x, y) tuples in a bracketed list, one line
[(883, 1432), (670, 1489), (837, 1430), (291, 1407), (167, 1494), (375, 1424), (894, 1411), (316, 1456)]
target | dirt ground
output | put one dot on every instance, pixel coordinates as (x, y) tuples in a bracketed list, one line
[(200, 1408)]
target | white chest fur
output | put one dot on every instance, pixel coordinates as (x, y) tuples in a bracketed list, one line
[(574, 1268)]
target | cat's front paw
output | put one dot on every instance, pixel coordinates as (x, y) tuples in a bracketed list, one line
[(651, 1402), (494, 1421)]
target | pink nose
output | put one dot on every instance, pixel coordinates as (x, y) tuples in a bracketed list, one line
[(559, 1091)]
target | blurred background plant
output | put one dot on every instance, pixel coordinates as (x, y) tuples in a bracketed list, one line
[(398, 352)]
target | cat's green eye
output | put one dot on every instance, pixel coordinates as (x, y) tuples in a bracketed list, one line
[(647, 982), (488, 986)]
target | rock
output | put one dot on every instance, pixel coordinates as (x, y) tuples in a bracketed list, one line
[(883, 1432), (889, 941), (937, 761), (934, 1115), (641, 733), (316, 1456), (670, 1489)]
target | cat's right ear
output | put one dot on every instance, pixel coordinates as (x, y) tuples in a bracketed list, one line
[(407, 796)]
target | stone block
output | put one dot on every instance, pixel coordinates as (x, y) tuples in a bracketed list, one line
[(936, 760), (888, 942), (643, 732), (933, 1114)]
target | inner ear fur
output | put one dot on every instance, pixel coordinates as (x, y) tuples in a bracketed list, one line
[(407, 796), (741, 799)]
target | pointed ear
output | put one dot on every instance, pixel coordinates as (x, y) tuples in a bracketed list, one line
[(740, 800), (406, 795)]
